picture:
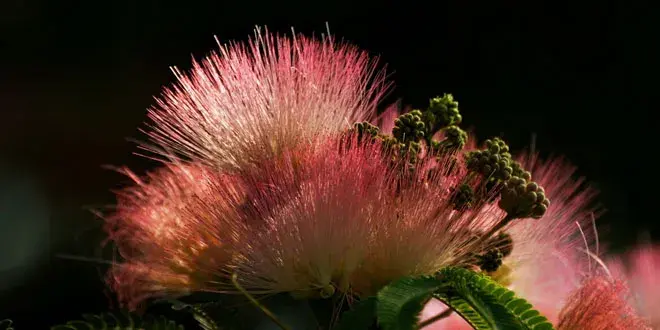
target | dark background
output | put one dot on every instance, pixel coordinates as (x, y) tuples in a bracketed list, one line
[(76, 78)]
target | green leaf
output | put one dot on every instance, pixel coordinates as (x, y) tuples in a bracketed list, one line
[(361, 317), (400, 303), (486, 304), (110, 321), (482, 302)]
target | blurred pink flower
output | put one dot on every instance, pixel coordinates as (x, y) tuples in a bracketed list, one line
[(641, 269)]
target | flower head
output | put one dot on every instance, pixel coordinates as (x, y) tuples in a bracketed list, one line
[(249, 102), (310, 222), (338, 216), (176, 231)]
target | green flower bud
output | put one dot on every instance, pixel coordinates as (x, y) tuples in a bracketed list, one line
[(441, 113), (521, 199), (409, 127), (365, 129), (455, 139)]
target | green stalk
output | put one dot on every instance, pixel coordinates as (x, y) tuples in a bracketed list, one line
[(234, 280), (436, 318)]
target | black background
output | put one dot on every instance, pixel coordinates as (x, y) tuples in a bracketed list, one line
[(76, 78)]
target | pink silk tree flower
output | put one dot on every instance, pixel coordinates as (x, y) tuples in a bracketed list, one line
[(336, 220), (250, 101), (311, 222), (176, 231), (600, 303), (641, 269), (317, 207)]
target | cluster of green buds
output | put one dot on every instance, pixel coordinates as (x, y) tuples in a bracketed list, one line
[(490, 261), (442, 112), (494, 162), (455, 139), (500, 247), (411, 128), (502, 176), (519, 197), (499, 174), (522, 199), (366, 130)]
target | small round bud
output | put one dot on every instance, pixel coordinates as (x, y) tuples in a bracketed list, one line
[(538, 211), (540, 197), (494, 148), (530, 197), (532, 186), (494, 158)]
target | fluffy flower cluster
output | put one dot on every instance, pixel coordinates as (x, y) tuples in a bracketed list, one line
[(274, 189), (329, 218), (267, 178)]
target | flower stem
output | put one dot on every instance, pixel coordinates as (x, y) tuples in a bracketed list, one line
[(436, 318), (234, 280)]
